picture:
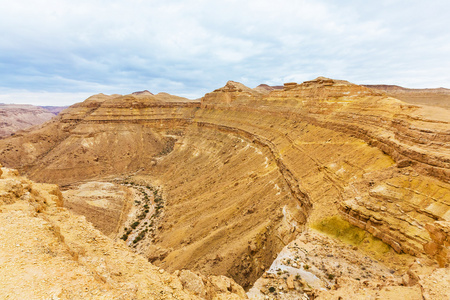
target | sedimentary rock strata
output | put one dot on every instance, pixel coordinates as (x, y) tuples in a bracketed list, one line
[(244, 170)]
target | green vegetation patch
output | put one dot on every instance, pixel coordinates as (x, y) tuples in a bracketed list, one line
[(341, 229)]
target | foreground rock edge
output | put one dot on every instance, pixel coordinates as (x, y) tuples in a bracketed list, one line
[(47, 252)]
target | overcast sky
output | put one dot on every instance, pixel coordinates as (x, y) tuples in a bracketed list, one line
[(58, 52)]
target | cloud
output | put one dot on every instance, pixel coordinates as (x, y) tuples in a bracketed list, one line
[(191, 47)]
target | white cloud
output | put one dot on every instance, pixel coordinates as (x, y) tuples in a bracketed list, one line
[(42, 98), (193, 46)]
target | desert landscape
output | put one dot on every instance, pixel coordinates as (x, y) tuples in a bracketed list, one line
[(317, 190), (15, 117)]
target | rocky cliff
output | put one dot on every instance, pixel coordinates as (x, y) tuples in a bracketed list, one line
[(230, 180)]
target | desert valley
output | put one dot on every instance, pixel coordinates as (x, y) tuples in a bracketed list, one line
[(319, 190)]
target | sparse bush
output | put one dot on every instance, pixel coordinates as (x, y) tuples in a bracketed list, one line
[(135, 224), (140, 236)]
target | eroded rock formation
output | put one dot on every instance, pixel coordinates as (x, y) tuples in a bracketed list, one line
[(244, 170)]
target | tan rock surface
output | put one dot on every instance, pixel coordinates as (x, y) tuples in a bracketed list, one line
[(319, 267), (104, 204), (439, 246)]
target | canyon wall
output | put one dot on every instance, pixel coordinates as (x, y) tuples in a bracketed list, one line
[(243, 170)]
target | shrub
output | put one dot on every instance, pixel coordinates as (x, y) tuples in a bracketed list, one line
[(135, 224)]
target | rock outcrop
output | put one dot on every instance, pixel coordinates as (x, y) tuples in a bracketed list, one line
[(439, 246), (244, 170), (316, 266)]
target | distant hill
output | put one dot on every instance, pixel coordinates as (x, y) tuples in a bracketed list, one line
[(54, 109), (434, 97), (14, 117)]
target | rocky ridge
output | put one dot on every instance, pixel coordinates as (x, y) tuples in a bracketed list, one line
[(258, 167)]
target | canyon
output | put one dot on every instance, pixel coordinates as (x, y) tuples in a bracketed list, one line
[(221, 185)]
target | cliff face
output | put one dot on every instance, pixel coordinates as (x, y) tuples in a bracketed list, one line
[(392, 196), (244, 170), (15, 117)]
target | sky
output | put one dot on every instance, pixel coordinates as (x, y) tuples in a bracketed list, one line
[(59, 52)]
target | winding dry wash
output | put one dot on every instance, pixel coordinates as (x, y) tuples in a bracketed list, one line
[(222, 185)]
